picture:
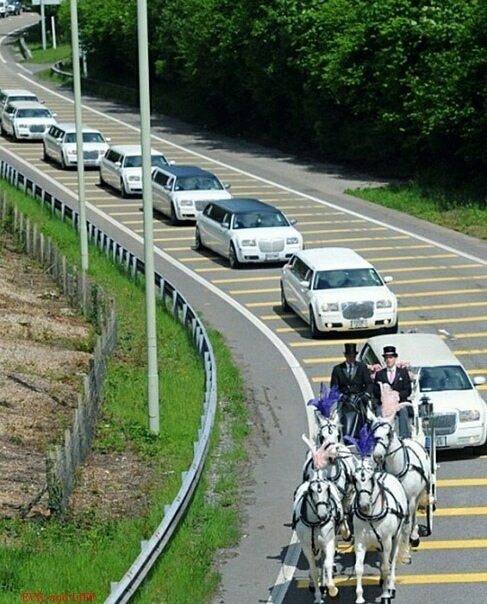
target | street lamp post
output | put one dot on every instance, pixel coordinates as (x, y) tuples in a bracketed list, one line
[(150, 299)]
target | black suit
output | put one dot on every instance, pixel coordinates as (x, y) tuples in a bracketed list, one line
[(359, 383), (352, 407), (401, 384)]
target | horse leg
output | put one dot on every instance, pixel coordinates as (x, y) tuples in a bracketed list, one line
[(385, 569), (414, 537), (314, 584), (360, 551), (328, 565)]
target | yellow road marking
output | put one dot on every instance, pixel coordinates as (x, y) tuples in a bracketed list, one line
[(426, 544), (303, 583), (448, 512), (462, 482)]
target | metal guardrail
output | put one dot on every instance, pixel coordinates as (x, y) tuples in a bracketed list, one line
[(123, 590)]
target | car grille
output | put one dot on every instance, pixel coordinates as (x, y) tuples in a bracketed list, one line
[(37, 128), (201, 204), (90, 154), (357, 310), (445, 423), (269, 246)]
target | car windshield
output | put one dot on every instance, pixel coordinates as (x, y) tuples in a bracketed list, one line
[(159, 161), (198, 183), (360, 277), (33, 113), (88, 137), (254, 220), (446, 377)]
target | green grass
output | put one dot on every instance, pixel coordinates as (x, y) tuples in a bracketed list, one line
[(49, 55), (451, 209), (86, 553)]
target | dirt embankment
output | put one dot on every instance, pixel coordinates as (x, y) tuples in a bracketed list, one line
[(42, 364)]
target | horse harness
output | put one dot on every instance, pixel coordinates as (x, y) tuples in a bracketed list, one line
[(383, 493), (310, 516), (407, 463)]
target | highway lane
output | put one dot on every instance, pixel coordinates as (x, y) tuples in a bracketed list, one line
[(440, 287)]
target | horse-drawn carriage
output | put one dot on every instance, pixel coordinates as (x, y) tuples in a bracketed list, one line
[(374, 475)]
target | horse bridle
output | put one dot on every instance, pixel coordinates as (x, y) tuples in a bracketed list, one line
[(330, 427)]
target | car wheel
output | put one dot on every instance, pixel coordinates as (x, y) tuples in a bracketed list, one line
[(284, 305), (102, 182), (232, 257), (123, 190), (62, 162), (198, 245), (14, 135), (315, 332), (45, 156), (173, 217)]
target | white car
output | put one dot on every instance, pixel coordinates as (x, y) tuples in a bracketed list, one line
[(335, 289), (460, 413), (10, 95), (121, 168), (182, 192), (247, 231), (60, 145), (26, 120)]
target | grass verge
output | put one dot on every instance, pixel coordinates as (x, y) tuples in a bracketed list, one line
[(454, 210), (85, 553)]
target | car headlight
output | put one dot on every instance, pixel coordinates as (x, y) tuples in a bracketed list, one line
[(133, 178), (471, 415), (22, 126), (330, 307), (292, 240), (384, 304), (248, 242), (186, 203), (72, 152)]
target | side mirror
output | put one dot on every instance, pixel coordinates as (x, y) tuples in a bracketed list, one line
[(304, 284), (293, 221), (478, 380), (388, 279), (227, 186), (225, 225)]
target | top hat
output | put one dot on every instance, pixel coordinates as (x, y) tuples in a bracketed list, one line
[(350, 348), (389, 351)]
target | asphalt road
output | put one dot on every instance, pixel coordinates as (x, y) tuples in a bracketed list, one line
[(440, 278)]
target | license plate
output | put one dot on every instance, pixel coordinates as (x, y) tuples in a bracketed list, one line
[(440, 441), (272, 256), (358, 323)]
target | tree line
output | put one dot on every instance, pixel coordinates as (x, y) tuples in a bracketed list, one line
[(397, 85)]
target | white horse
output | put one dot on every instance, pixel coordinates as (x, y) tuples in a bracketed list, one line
[(409, 461), (338, 464), (380, 511), (317, 513)]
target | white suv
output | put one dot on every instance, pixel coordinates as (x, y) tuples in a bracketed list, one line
[(460, 413), (60, 145), (26, 120), (182, 192), (121, 168), (335, 289)]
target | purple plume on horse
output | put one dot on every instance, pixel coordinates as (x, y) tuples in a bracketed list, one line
[(365, 443), (326, 401)]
